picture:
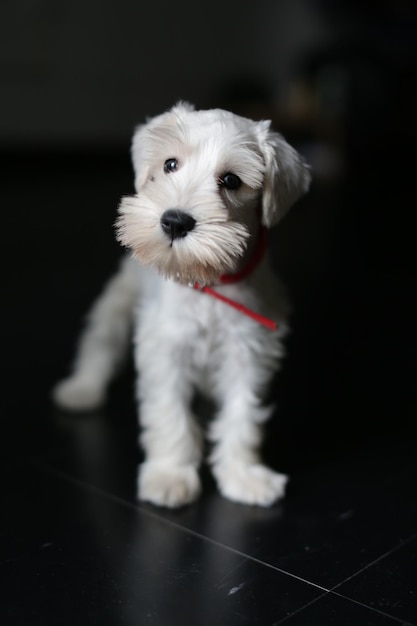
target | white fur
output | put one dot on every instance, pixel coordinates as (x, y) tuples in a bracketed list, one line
[(184, 339)]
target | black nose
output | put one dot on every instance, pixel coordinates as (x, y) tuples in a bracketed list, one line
[(176, 223)]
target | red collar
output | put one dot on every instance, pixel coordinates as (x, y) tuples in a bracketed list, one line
[(228, 279), (254, 261)]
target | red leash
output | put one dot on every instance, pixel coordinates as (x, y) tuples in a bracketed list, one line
[(228, 279), (270, 324)]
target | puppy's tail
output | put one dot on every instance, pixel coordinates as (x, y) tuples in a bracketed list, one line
[(103, 343)]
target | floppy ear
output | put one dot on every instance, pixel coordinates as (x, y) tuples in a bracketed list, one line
[(286, 179)]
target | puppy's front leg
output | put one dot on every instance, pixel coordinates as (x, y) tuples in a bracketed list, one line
[(237, 431), (170, 436)]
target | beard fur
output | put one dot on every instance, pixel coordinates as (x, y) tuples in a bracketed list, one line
[(214, 247)]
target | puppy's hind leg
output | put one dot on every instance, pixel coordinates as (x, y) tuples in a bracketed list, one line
[(103, 344)]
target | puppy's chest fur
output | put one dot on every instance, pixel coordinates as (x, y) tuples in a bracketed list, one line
[(187, 328)]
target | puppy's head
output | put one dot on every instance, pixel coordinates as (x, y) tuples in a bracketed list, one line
[(203, 180)]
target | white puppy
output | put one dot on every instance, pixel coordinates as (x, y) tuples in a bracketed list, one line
[(208, 184)]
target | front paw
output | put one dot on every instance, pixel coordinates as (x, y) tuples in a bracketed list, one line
[(252, 484), (168, 486)]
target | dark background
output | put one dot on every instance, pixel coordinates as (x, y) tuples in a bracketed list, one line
[(338, 80)]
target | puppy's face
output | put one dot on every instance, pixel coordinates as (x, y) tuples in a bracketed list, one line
[(200, 178)]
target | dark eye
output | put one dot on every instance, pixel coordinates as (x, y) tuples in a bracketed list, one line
[(170, 165), (230, 181)]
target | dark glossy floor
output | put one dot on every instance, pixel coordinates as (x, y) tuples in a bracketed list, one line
[(341, 550)]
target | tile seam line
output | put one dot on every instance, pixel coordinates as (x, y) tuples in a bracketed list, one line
[(372, 608), (366, 567), (357, 602), (349, 599), (302, 608), (126, 504), (361, 604), (372, 563)]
